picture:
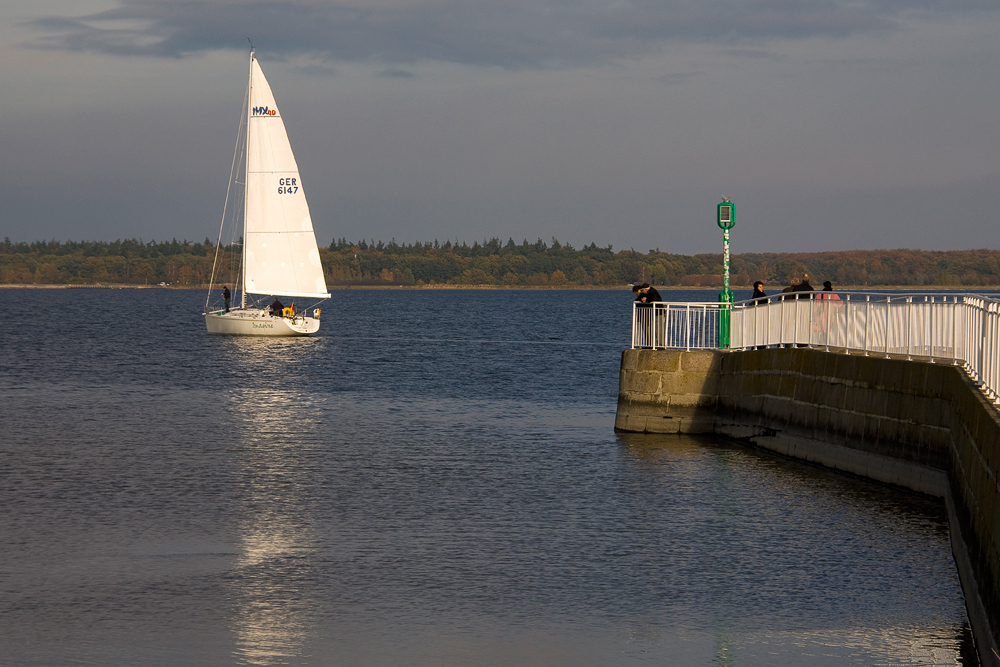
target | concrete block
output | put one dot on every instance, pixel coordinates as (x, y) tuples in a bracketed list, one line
[(852, 425), (691, 383), (633, 424), (733, 363), (893, 400), (891, 376), (848, 367), (937, 380), (784, 384), (877, 402), (663, 425), (694, 400), (629, 359), (932, 411), (888, 432), (862, 399), (804, 415), (752, 383), (825, 363), (873, 429), (907, 408), (697, 425), (702, 361), (641, 382), (829, 394), (780, 409), (805, 389), (659, 360), (825, 422)]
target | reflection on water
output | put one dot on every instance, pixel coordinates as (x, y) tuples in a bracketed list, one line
[(269, 620), (425, 484), (271, 603)]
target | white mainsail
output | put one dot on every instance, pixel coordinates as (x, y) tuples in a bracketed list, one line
[(281, 258)]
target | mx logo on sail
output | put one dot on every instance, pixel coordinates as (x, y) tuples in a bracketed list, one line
[(264, 111)]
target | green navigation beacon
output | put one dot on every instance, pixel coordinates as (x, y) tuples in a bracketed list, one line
[(726, 220)]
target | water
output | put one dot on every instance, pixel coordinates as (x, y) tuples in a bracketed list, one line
[(434, 480)]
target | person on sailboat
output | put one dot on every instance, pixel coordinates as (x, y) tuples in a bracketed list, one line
[(276, 308), (226, 295)]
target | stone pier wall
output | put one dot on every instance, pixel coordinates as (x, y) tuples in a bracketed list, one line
[(919, 425)]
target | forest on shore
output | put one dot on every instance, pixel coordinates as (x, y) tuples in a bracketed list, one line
[(490, 262)]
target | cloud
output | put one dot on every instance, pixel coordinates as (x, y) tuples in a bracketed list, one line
[(396, 74), (511, 34)]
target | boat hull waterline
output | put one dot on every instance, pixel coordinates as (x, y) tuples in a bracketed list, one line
[(259, 323)]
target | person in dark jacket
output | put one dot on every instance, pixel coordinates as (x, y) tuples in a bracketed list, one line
[(804, 286), (646, 293), (792, 287), (758, 292), (226, 295), (276, 308), (645, 296)]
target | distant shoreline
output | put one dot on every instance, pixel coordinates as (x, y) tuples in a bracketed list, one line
[(603, 288)]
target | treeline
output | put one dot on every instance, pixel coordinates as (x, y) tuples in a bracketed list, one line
[(491, 262)]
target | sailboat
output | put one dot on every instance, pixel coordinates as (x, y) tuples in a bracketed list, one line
[(280, 256)]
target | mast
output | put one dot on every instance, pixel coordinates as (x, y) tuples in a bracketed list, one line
[(246, 177)]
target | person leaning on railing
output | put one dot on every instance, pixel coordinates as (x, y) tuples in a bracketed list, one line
[(645, 293), (645, 296)]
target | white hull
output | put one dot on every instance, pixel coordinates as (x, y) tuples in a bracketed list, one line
[(259, 323)]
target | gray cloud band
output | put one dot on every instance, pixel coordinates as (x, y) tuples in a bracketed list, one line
[(513, 35)]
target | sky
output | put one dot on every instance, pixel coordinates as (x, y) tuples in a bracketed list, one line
[(831, 124)]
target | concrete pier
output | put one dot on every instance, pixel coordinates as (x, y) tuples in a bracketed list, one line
[(919, 425)]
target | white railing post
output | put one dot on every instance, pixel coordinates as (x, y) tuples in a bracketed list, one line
[(888, 312), (687, 332), (954, 332), (868, 319), (633, 325), (930, 327)]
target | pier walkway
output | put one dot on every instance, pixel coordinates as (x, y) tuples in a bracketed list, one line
[(900, 388)]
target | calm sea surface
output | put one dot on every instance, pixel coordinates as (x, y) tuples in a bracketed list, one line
[(433, 480)]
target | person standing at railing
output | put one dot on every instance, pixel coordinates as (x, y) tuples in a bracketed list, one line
[(828, 287), (804, 286), (758, 292), (645, 296), (646, 293), (792, 287), (825, 309)]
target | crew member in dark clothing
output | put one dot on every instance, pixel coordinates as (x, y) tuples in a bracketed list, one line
[(276, 308), (226, 295), (758, 291)]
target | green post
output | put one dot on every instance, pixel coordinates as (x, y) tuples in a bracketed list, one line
[(726, 220)]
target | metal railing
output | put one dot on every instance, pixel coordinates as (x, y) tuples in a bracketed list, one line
[(960, 329), (676, 325)]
